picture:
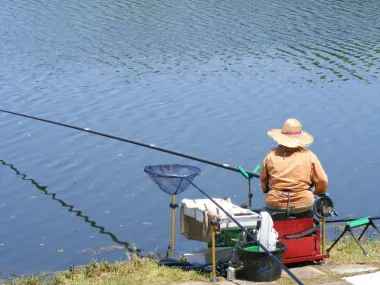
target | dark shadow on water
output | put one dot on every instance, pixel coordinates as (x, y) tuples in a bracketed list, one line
[(70, 207)]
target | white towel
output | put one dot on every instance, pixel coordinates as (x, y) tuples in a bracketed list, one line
[(267, 235)]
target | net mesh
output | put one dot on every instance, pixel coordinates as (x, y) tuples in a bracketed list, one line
[(172, 178)]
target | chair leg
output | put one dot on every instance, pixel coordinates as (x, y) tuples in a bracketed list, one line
[(342, 234), (366, 227), (349, 230), (374, 226)]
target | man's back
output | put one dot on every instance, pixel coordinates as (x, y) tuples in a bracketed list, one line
[(293, 169)]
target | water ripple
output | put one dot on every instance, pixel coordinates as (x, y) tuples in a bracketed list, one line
[(204, 77)]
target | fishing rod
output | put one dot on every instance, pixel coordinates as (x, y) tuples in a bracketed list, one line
[(247, 174), (350, 220), (151, 146), (70, 207)]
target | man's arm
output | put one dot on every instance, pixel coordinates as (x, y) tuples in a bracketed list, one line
[(264, 176), (319, 176)]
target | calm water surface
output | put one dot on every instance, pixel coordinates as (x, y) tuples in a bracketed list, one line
[(207, 78)]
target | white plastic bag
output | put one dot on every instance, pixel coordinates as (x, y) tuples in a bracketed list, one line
[(267, 235)]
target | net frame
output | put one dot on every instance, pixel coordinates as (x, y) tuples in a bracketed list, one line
[(168, 180)]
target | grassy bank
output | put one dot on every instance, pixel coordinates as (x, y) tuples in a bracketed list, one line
[(145, 271), (347, 251)]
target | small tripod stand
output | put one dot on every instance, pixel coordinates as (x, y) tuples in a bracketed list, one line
[(367, 221)]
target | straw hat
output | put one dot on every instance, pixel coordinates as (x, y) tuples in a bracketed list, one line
[(291, 134)]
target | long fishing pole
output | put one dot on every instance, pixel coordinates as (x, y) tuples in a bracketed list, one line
[(350, 220), (151, 146), (249, 234)]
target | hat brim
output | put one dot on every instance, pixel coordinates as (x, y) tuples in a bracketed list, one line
[(303, 139)]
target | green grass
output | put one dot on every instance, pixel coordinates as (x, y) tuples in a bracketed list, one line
[(145, 271), (136, 271), (347, 251), (142, 271)]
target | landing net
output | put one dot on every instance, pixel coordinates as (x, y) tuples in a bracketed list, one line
[(172, 178)]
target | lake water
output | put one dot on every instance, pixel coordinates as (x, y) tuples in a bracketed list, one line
[(207, 78)]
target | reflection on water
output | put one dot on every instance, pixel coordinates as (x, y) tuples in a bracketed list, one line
[(70, 207)]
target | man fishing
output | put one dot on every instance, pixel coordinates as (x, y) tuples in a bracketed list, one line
[(289, 170)]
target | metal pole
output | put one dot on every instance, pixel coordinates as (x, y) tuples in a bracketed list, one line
[(151, 146), (213, 277), (323, 231), (249, 193), (173, 225)]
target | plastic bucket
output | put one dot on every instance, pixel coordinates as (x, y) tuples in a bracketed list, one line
[(258, 265)]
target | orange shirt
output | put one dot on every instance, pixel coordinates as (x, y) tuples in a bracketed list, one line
[(294, 170)]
